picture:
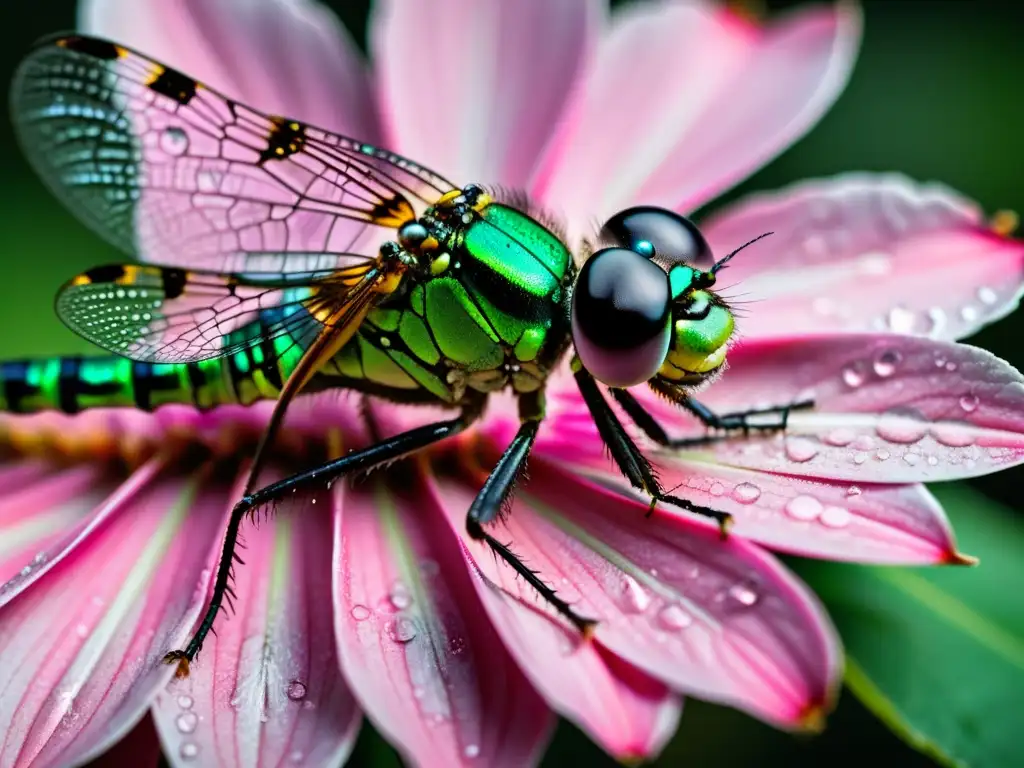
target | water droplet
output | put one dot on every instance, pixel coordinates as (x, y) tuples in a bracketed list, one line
[(174, 141), (418, 692), (185, 702), (399, 596), (674, 618), (402, 630), (189, 750), (911, 458), (803, 507), (840, 437), (937, 316), (835, 517), (901, 320), (186, 722), (882, 455), (886, 362), (969, 313), (950, 366), (743, 594), (852, 377), (987, 296), (296, 756), (952, 434), (933, 461), (801, 449), (859, 457), (863, 443), (82, 630), (746, 493), (874, 263), (900, 428), (296, 690), (471, 751), (969, 403), (360, 612), (853, 490), (635, 599), (717, 489)]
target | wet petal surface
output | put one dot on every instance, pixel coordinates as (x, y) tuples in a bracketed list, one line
[(863, 252)]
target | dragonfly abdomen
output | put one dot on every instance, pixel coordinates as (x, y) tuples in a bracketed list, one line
[(76, 383)]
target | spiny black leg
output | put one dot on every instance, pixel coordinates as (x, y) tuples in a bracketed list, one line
[(490, 501), (630, 460), (739, 420), (358, 461)]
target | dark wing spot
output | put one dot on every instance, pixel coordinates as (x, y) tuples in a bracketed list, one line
[(174, 282), (106, 274), (286, 138), (393, 212), (174, 85), (90, 46)]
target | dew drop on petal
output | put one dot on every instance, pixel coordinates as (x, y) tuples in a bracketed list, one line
[(835, 517), (360, 612), (189, 750), (746, 493), (840, 437), (801, 449), (634, 598), (296, 756), (186, 702), (910, 459), (399, 596), (952, 435), (186, 722), (863, 443), (471, 751), (82, 630), (296, 690), (174, 141), (932, 461), (717, 489), (402, 630), (674, 618), (901, 320), (969, 313), (900, 428), (987, 296), (853, 490), (743, 594), (969, 403), (882, 455), (803, 507), (852, 377), (886, 362)]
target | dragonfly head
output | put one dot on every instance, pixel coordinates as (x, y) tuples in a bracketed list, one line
[(643, 305)]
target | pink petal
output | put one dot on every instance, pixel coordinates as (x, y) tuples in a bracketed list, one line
[(721, 620), (685, 99), (888, 409), (866, 251), (81, 645), (479, 100), (415, 645), (42, 504), (266, 689), (287, 57)]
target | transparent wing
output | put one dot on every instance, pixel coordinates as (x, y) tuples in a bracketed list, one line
[(173, 172), (172, 315)]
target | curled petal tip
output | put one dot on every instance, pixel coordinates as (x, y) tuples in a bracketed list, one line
[(959, 558), (1004, 223)]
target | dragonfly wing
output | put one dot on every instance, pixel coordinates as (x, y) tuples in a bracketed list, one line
[(164, 314), (176, 173)]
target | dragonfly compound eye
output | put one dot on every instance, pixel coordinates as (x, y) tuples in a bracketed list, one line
[(659, 234), (621, 317)]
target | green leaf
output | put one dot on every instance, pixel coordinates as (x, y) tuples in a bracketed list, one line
[(938, 653)]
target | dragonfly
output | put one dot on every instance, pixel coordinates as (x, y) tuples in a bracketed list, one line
[(269, 258)]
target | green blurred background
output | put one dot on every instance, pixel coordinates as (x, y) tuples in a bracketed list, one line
[(935, 94)]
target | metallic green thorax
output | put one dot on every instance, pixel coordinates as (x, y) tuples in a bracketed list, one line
[(494, 313)]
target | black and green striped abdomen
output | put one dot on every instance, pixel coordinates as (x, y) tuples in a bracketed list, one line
[(76, 383)]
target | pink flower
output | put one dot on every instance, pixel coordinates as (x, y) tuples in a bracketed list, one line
[(371, 599)]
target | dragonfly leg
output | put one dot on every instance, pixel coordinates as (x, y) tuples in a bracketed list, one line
[(727, 422), (629, 458), (368, 458), (490, 504)]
